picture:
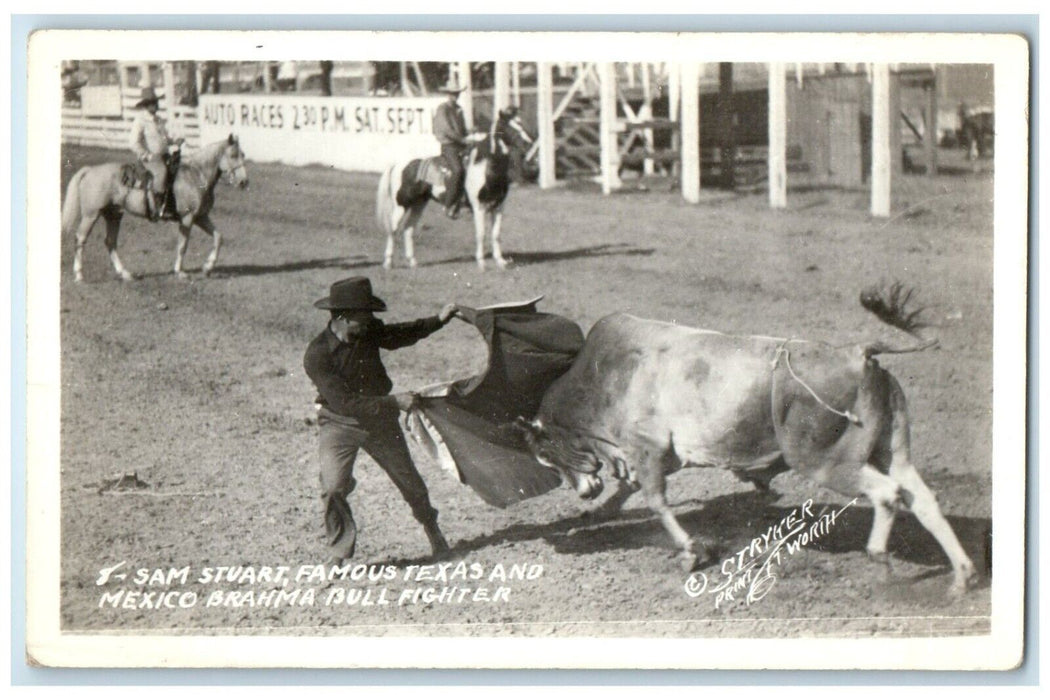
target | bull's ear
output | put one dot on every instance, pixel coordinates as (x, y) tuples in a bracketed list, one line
[(232, 139)]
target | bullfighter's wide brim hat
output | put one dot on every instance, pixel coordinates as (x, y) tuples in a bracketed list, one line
[(148, 97), (452, 87), (351, 294)]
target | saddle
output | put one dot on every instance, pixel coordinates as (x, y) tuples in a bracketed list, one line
[(136, 176), (418, 180)]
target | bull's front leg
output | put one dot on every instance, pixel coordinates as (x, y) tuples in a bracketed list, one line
[(694, 552)]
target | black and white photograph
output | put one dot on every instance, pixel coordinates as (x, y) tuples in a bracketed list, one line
[(559, 349)]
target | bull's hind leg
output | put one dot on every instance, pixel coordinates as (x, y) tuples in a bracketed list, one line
[(924, 506), (922, 501), (112, 230)]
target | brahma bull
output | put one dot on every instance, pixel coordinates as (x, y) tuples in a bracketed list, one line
[(645, 398)]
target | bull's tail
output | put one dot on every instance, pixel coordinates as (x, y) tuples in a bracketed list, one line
[(890, 305), (71, 206), (386, 193)]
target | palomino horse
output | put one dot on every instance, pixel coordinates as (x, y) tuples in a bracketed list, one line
[(101, 191), (406, 188)]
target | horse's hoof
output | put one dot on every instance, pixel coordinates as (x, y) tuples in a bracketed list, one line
[(127, 276), (501, 264), (386, 265), (182, 275), (206, 272), (413, 264)]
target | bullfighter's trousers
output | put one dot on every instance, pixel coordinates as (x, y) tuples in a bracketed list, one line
[(381, 437)]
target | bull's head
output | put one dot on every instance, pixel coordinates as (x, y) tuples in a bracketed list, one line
[(570, 456)]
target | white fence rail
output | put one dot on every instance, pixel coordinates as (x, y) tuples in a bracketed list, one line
[(82, 128)]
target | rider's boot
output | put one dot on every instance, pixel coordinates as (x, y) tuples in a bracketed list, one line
[(153, 209), (452, 210)]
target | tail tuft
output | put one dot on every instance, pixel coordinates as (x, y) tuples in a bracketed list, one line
[(890, 304)]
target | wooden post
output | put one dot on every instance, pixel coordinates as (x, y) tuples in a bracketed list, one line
[(501, 92), (545, 123), (726, 137), (515, 83), (690, 86), (406, 89), (610, 153), (931, 132), (422, 83), (881, 155), (777, 136), (267, 77), (466, 100), (674, 92), (646, 114), (171, 98)]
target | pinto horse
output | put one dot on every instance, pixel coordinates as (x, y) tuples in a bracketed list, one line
[(103, 191), (405, 189)]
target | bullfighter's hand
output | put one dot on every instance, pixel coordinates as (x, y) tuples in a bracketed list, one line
[(406, 401), (447, 312)]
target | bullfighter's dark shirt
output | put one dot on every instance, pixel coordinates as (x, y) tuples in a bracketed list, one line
[(350, 377)]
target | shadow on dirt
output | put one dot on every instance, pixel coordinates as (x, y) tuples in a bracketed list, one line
[(352, 263), (732, 521), (536, 257)]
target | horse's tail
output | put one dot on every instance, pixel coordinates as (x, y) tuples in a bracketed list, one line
[(71, 207), (386, 195)]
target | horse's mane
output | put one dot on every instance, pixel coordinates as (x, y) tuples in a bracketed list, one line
[(205, 155)]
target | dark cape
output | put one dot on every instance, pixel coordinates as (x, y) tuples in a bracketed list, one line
[(467, 425)]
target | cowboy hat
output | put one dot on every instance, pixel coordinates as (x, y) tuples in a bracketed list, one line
[(351, 294), (147, 97), (452, 87)]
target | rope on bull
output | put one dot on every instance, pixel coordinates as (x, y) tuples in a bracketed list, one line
[(782, 351)]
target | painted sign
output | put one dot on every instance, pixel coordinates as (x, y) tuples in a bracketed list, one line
[(351, 133)]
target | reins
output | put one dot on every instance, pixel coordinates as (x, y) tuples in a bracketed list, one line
[(782, 351)]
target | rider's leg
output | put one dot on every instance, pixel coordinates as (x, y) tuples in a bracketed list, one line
[(454, 196), (158, 186)]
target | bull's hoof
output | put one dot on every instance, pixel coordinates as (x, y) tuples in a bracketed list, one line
[(965, 580), (883, 565), (701, 552), (688, 561)]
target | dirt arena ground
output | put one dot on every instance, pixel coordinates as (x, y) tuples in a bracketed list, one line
[(197, 388)]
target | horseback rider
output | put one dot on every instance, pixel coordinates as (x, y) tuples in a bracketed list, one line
[(450, 129), (153, 147)]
